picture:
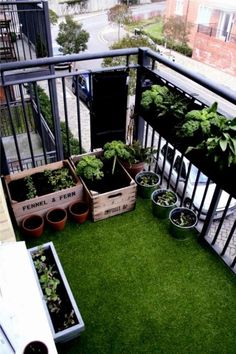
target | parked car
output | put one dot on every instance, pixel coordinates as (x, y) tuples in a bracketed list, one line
[(83, 87), (60, 66), (180, 167)]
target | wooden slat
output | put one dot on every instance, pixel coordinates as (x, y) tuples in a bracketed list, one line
[(6, 228)]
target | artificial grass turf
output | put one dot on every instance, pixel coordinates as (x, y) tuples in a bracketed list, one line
[(141, 291)]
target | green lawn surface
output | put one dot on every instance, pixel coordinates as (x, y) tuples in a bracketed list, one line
[(141, 291), (151, 26)]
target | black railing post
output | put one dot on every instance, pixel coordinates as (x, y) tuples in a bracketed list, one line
[(210, 215), (143, 61), (4, 170)]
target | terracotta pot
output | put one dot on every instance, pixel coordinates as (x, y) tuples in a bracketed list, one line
[(133, 169), (56, 218), (36, 347), (33, 225), (79, 211)]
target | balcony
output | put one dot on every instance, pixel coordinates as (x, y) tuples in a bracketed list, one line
[(139, 290)]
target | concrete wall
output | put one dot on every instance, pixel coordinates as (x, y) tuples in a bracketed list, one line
[(215, 52)]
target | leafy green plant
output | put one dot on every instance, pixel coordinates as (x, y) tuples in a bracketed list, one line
[(59, 179), (221, 148), (165, 198), (164, 101), (115, 149), (202, 123), (137, 153), (31, 190), (155, 96), (184, 219), (148, 180), (90, 167), (48, 280)]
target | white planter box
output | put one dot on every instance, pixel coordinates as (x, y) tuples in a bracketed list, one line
[(73, 331)]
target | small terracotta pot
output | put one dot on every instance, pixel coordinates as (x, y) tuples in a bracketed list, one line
[(33, 225), (56, 218), (79, 211)]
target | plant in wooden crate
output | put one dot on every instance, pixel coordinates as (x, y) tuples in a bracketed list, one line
[(110, 189), (39, 189), (63, 313)]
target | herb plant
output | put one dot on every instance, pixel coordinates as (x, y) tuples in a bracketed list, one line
[(31, 190), (184, 219), (115, 149), (148, 180), (59, 179), (90, 167), (166, 198), (137, 153), (202, 123)]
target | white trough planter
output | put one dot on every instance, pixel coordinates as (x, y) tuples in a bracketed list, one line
[(62, 335)]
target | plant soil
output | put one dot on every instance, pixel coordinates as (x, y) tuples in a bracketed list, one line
[(79, 208), (59, 319), (33, 222), (56, 215), (18, 189), (109, 182)]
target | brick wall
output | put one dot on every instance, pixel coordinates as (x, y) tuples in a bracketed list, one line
[(215, 52)]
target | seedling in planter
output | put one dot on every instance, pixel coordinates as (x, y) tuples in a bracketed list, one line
[(137, 153), (166, 198), (184, 220), (90, 167), (115, 149), (59, 179), (148, 180), (32, 193)]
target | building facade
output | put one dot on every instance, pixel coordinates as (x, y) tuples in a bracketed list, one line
[(213, 32)]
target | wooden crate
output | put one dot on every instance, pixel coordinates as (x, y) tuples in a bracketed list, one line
[(40, 205), (105, 205)]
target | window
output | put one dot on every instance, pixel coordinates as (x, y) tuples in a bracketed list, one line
[(225, 25), (204, 15), (179, 7)]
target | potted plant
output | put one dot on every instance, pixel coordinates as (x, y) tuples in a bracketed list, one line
[(147, 182), (108, 187), (182, 220), (56, 218), (61, 309), (79, 211), (163, 200), (137, 158), (36, 347), (33, 225), (36, 190)]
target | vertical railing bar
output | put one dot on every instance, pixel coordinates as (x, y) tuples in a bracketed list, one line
[(179, 173), (186, 184), (78, 111), (221, 221), (228, 239), (66, 116), (204, 196), (7, 95), (38, 112), (27, 125), (171, 167)]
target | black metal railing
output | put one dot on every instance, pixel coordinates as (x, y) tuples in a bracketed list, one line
[(216, 225), (212, 31), (24, 30)]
